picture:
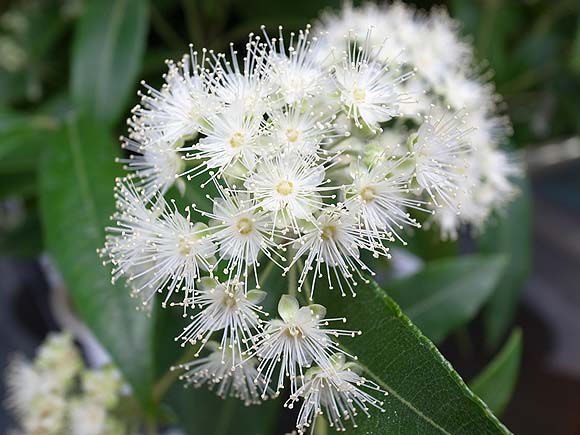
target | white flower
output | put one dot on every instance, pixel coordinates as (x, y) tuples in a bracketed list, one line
[(437, 50), (36, 397), (87, 417), (231, 136), (294, 71), (243, 85), (156, 165), (224, 307), (102, 386), (59, 357), (498, 168), (338, 392), (242, 231), (462, 91), (296, 341), (291, 186), (175, 112), (157, 249), (229, 373), (368, 90), (299, 129), (380, 195), (333, 246), (440, 152), (46, 415)]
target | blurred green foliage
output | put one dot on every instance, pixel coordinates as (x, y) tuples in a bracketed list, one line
[(533, 47)]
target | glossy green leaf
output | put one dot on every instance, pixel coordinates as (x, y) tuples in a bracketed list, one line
[(107, 54), (76, 186), (426, 396), (496, 383), (509, 235), (447, 293)]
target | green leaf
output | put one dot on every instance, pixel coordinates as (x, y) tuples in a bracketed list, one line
[(447, 293), (108, 50), (76, 188), (496, 383), (426, 396), (510, 235)]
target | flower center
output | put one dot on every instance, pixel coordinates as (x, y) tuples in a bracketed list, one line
[(285, 187), (294, 332), (368, 194), (292, 135), (229, 300), (359, 95), (237, 140), (185, 245), (328, 232), (244, 226)]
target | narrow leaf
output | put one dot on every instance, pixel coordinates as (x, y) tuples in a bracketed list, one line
[(447, 293), (107, 54), (426, 396), (510, 235), (496, 383), (76, 191)]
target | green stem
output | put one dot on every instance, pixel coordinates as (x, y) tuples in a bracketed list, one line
[(292, 283), (320, 426), (166, 381), (263, 275), (306, 282)]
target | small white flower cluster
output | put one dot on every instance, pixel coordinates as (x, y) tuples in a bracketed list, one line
[(304, 154), (447, 75), (55, 394), (255, 353)]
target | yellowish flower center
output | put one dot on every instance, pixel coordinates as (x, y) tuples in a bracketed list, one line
[(328, 232), (229, 300), (244, 226), (237, 140), (359, 95), (294, 332), (285, 187), (368, 194), (292, 135), (186, 244)]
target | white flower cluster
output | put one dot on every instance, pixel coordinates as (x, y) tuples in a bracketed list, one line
[(447, 75), (55, 394), (305, 153)]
